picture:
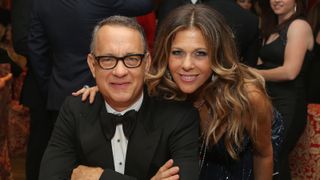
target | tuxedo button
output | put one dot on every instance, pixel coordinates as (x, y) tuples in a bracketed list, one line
[(118, 140), (120, 163)]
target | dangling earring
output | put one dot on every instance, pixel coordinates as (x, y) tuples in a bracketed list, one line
[(213, 77), (295, 8), (169, 74)]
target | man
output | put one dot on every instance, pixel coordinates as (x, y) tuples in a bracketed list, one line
[(243, 23), (86, 137), (58, 42), (40, 123)]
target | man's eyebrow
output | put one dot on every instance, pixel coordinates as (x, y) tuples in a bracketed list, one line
[(127, 54)]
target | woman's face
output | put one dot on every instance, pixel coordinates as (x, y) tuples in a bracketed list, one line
[(283, 8), (189, 61), (245, 4)]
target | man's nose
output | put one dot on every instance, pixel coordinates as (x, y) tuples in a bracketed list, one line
[(120, 69)]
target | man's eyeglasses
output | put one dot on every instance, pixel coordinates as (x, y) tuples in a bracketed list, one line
[(110, 62)]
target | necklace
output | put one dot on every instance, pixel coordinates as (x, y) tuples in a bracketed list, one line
[(204, 144), (203, 152)]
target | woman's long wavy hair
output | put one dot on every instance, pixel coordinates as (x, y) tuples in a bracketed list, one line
[(226, 97)]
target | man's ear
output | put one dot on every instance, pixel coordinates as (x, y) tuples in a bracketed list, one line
[(148, 62), (91, 62)]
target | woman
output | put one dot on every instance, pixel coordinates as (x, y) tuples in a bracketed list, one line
[(287, 42), (195, 59), (307, 166)]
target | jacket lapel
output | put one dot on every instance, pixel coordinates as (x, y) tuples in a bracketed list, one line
[(143, 143), (96, 148)]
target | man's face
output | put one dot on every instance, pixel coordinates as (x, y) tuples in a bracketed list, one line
[(120, 86)]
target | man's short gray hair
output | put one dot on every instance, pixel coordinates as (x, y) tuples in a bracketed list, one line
[(119, 21)]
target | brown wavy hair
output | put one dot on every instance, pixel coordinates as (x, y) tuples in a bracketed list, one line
[(227, 97), (269, 20)]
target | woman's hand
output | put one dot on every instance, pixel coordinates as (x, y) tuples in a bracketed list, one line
[(86, 173), (167, 172), (3, 80), (87, 91)]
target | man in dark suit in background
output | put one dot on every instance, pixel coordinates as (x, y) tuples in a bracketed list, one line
[(40, 124), (124, 134), (244, 24)]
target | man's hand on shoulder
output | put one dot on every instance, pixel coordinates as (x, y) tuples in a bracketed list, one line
[(88, 173)]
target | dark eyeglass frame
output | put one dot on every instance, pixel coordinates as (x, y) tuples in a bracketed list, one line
[(123, 59)]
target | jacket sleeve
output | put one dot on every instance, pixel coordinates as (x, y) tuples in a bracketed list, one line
[(184, 145), (111, 174), (60, 157), (39, 51)]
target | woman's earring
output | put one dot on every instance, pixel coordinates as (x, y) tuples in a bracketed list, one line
[(169, 75), (295, 8), (213, 77)]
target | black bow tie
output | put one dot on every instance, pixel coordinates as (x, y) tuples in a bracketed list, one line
[(110, 121)]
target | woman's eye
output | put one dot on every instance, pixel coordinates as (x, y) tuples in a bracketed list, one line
[(201, 53), (176, 53)]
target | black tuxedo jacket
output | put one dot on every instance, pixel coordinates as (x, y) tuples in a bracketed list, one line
[(164, 130), (59, 40)]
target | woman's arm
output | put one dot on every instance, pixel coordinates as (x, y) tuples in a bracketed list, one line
[(3, 80), (299, 40), (261, 138)]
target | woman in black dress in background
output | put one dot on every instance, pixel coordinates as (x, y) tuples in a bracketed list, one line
[(287, 42)]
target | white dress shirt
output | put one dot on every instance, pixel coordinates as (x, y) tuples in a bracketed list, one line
[(119, 142), (194, 1)]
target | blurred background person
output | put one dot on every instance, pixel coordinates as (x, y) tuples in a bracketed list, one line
[(287, 45), (245, 4), (39, 124), (314, 68), (304, 160), (250, 5), (5, 84), (7, 53), (4, 80), (16, 126)]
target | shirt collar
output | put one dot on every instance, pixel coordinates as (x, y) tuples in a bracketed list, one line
[(135, 106), (194, 1)]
